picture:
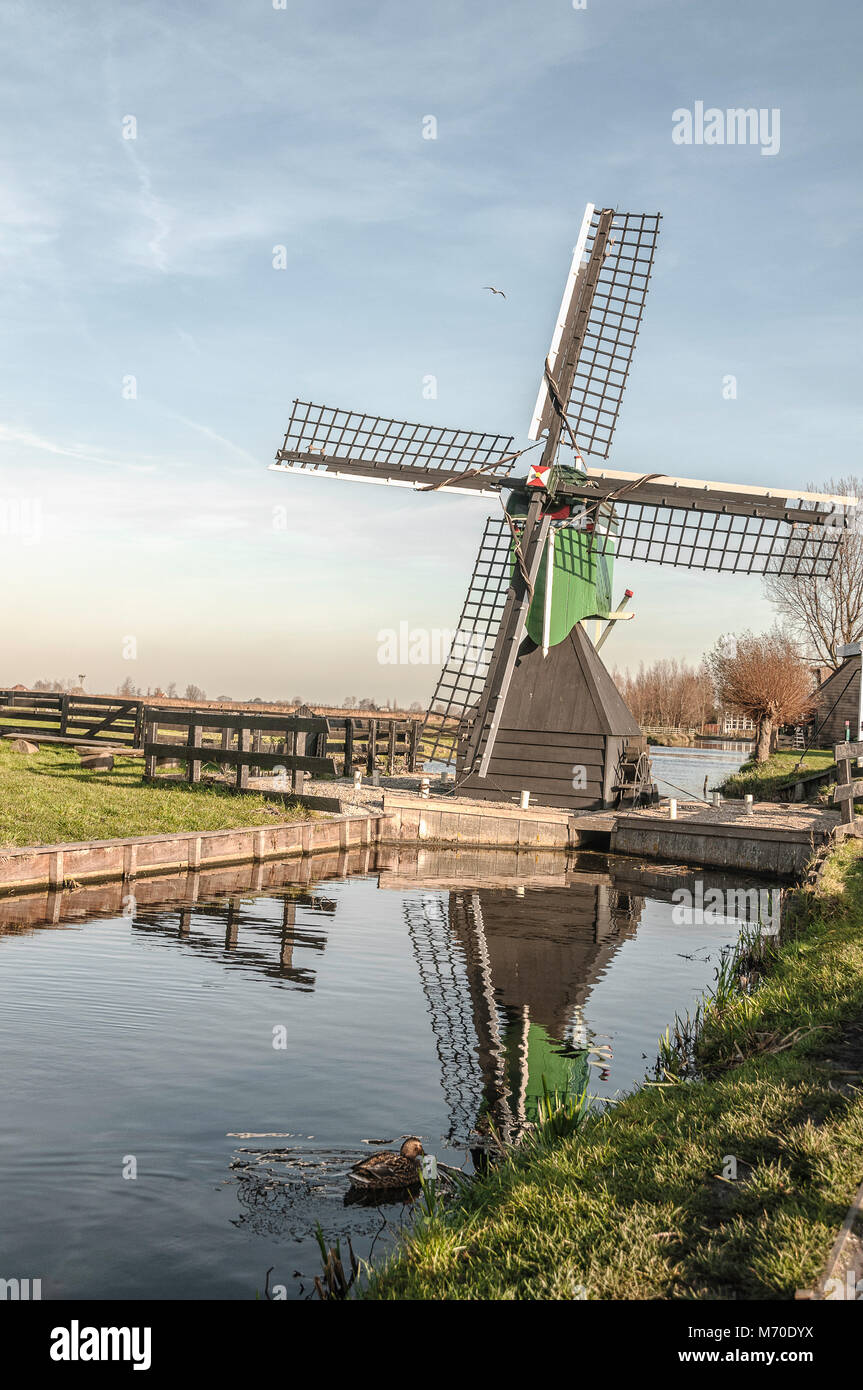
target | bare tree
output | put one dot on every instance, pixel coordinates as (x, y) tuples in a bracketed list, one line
[(826, 613), (194, 692), (762, 675), (54, 686), (668, 694)]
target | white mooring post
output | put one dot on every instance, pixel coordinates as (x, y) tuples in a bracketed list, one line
[(525, 800), (358, 779), (672, 808), (424, 787), (749, 803)]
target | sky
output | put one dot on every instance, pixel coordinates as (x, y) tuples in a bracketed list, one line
[(153, 159)]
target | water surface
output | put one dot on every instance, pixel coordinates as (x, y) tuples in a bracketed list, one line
[(237, 1037)]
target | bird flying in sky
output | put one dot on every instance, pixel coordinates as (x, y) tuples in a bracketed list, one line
[(494, 291)]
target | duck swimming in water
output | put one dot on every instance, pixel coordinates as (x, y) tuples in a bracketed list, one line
[(393, 1170)]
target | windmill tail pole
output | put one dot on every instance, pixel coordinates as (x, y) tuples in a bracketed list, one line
[(549, 580), (620, 607)]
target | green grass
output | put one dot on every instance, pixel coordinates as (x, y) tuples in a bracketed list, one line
[(778, 771), (635, 1205), (48, 798)]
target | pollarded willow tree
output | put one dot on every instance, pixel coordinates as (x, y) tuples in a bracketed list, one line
[(763, 676), (826, 613)]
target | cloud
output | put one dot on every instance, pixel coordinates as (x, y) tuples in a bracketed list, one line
[(81, 453)]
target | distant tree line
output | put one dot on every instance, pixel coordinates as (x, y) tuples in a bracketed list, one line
[(668, 694), (195, 694)]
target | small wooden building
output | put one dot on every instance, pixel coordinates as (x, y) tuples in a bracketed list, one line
[(566, 732), (837, 700)]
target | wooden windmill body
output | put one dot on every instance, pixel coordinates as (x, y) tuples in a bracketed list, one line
[(524, 702)]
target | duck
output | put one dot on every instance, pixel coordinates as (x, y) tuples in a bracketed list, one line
[(388, 1169)]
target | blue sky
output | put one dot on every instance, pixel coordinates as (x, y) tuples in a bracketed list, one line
[(302, 127)]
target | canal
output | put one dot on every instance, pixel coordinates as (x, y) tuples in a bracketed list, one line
[(186, 1083)]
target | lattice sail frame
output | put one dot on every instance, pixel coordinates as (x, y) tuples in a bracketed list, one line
[(465, 669), (321, 437), (724, 542), (442, 966), (613, 323)]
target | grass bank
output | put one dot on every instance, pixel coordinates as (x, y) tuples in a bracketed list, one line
[(637, 1205), (780, 769), (48, 798)]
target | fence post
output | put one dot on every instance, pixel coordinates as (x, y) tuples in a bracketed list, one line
[(194, 764), (297, 776), (349, 746), (138, 734), (149, 758), (257, 738), (413, 745), (373, 745), (244, 739), (846, 785), (391, 749), (64, 714)]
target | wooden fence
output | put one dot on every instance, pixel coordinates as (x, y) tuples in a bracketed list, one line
[(846, 787), (370, 741), (99, 718), (363, 743), (257, 744), (242, 743)]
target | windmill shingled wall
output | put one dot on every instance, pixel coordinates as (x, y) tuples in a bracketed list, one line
[(839, 699)]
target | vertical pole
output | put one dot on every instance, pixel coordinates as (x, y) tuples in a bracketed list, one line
[(256, 747), (232, 924), (289, 922), (859, 734), (349, 746), (149, 757), (549, 580), (373, 745), (244, 739), (413, 744), (138, 733), (298, 776), (391, 749), (194, 743)]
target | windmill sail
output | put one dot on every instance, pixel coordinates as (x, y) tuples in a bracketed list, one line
[(605, 342), (464, 673), (712, 526), (713, 540), (444, 975), (348, 443)]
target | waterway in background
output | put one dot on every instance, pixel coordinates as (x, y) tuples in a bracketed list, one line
[(681, 771), (414, 992)]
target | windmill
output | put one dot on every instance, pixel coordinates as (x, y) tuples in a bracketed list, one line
[(523, 702)]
